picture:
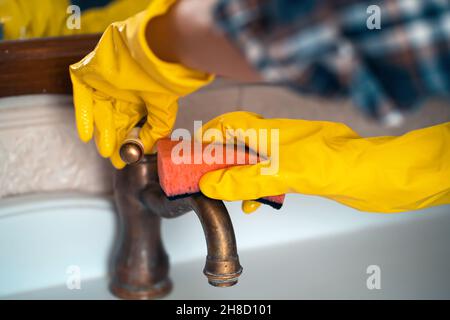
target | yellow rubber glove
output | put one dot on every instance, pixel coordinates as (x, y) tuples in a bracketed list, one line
[(23, 19), (379, 174), (122, 81), (97, 19)]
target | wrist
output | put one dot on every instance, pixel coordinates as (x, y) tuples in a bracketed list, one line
[(161, 37), (186, 34), (176, 78), (176, 36)]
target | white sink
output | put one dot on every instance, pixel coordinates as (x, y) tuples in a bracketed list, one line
[(312, 248)]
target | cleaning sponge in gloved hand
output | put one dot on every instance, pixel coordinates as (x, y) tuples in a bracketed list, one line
[(122, 81), (180, 178), (379, 174)]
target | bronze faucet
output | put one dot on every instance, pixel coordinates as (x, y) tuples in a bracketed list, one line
[(141, 265)]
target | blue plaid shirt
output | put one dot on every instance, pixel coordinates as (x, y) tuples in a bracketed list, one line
[(336, 47)]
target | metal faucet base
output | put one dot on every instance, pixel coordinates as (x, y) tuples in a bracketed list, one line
[(140, 268)]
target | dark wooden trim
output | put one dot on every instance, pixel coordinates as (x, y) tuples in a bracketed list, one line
[(41, 65)]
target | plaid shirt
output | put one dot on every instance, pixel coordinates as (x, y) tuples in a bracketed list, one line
[(334, 47)]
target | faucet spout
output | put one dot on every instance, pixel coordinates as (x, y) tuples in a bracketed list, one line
[(222, 267)]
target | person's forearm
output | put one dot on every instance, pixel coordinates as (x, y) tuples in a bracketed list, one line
[(187, 35), (395, 174)]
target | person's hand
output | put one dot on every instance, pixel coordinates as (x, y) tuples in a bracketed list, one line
[(380, 174), (122, 81)]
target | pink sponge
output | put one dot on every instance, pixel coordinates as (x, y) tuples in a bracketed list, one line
[(181, 179)]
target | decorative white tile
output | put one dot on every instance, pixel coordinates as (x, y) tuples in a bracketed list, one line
[(40, 150)]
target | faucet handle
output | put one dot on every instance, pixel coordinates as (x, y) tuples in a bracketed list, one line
[(132, 149)]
